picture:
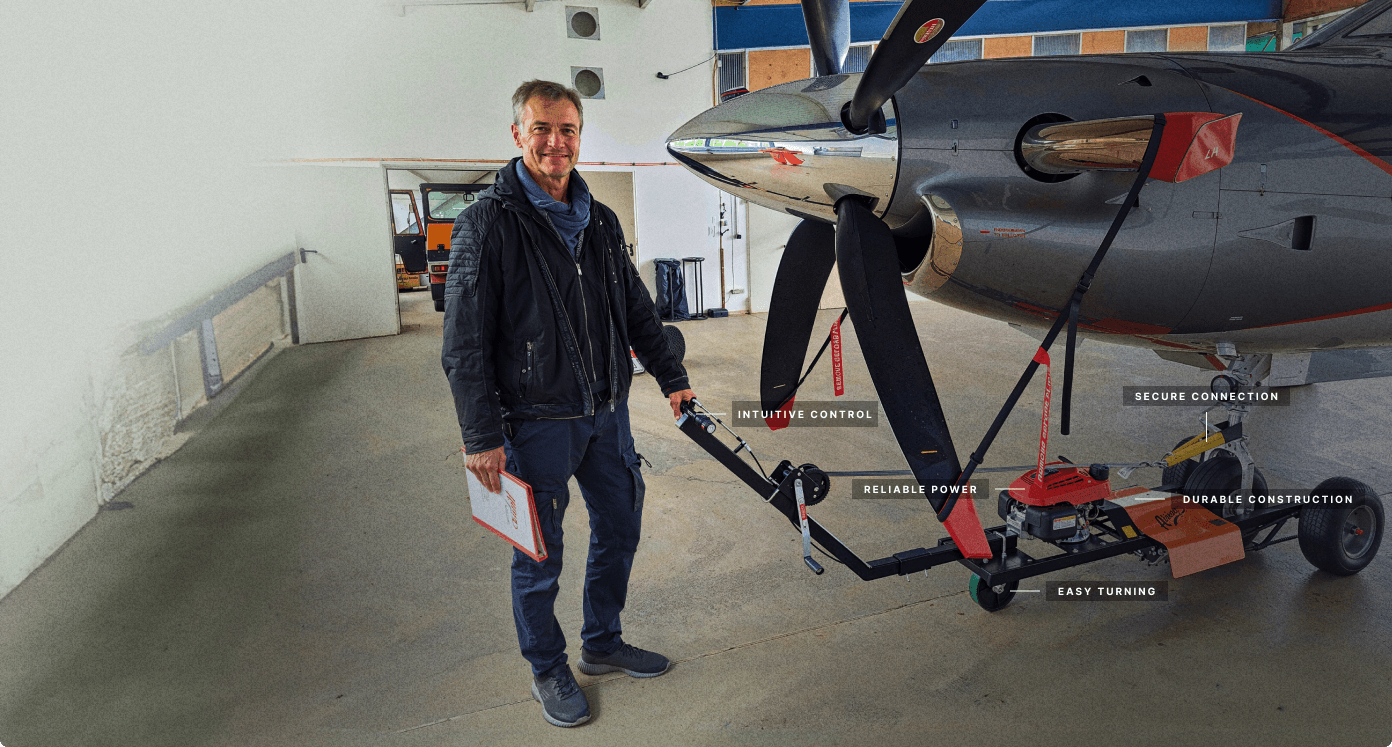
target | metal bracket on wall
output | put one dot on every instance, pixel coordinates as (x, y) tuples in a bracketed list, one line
[(212, 369), (201, 320)]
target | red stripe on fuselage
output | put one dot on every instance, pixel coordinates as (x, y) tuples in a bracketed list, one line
[(1365, 155), (1355, 312)]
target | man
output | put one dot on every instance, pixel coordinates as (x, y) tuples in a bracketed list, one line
[(541, 307)]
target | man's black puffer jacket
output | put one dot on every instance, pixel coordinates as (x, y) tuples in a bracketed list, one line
[(510, 341)]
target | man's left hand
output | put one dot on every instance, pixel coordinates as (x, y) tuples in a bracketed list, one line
[(677, 398)]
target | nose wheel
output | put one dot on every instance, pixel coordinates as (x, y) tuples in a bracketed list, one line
[(1217, 483)]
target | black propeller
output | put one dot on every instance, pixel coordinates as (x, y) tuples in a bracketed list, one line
[(919, 29), (797, 291), (874, 290), (869, 269), (865, 253), (829, 32)]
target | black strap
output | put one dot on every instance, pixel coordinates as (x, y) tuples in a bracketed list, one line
[(811, 365), (1069, 347), (1068, 314)]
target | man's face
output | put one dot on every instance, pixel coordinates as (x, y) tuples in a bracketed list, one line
[(549, 136)]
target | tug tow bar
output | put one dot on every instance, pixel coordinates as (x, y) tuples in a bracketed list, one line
[(782, 494)]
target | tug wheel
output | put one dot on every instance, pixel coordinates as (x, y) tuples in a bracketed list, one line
[(991, 598), (1342, 539), (1219, 478)]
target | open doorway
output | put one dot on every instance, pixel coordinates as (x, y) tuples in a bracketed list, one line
[(408, 242), (438, 195)]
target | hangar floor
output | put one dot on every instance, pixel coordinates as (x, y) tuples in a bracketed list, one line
[(304, 572)]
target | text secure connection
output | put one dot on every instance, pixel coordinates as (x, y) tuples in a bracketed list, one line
[(1092, 591), (1181, 396), (908, 487), (810, 414)]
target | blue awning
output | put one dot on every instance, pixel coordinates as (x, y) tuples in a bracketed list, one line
[(755, 26)]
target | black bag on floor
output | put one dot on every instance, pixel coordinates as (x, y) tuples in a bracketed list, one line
[(671, 290)]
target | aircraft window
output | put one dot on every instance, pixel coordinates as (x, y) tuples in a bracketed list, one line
[(404, 215), (1378, 25)]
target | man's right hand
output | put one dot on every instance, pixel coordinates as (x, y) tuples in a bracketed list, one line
[(486, 465)]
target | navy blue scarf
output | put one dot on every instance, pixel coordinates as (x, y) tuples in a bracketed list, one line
[(568, 219)]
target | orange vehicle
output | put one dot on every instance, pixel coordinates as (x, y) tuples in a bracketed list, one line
[(408, 241), (443, 203)]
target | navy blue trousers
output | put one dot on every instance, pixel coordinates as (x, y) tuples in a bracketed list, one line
[(598, 452)]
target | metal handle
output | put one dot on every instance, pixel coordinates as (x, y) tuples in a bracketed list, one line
[(806, 535), (303, 252)]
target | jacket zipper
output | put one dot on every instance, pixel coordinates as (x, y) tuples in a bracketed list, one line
[(584, 307), (615, 355), (528, 369)]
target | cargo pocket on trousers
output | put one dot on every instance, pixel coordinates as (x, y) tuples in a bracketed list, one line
[(639, 488)]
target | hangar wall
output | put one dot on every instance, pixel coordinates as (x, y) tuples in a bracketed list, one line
[(143, 133)]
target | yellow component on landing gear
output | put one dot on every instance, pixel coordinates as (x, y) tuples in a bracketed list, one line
[(1199, 444)]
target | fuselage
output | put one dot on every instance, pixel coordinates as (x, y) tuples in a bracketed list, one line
[(1287, 248)]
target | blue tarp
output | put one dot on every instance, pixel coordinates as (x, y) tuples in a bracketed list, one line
[(755, 26)]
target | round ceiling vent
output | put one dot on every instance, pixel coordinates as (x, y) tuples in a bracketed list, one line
[(589, 81), (582, 23)]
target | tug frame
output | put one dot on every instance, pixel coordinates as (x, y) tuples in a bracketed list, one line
[(1008, 565)]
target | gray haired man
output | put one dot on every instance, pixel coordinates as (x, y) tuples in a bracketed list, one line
[(541, 307)]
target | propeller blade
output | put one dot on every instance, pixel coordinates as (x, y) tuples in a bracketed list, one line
[(919, 30), (829, 31), (874, 291), (797, 291)]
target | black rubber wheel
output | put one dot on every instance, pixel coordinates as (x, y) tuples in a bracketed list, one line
[(1342, 539), (1179, 474), (675, 341), (1219, 478), (439, 304), (991, 599)]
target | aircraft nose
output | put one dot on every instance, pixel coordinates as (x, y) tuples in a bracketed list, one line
[(785, 148)]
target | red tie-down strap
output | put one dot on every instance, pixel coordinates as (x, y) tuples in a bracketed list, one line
[(838, 369), (1041, 356)]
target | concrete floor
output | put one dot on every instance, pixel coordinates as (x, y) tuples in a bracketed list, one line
[(305, 572)]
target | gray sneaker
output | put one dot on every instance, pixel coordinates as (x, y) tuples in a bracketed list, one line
[(563, 703), (634, 662)]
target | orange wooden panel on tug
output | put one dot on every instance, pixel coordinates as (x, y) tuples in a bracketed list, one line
[(1195, 537)]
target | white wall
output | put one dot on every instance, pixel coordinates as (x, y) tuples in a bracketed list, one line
[(150, 122)]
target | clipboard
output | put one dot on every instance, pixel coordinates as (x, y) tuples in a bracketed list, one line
[(509, 513)]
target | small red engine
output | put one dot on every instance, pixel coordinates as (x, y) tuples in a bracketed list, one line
[(1055, 508)]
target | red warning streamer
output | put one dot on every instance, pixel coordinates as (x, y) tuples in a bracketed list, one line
[(1041, 356), (838, 377)]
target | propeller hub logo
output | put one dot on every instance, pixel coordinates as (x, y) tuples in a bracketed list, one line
[(928, 30)]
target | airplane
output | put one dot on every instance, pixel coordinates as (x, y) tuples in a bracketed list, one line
[(1217, 208)]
